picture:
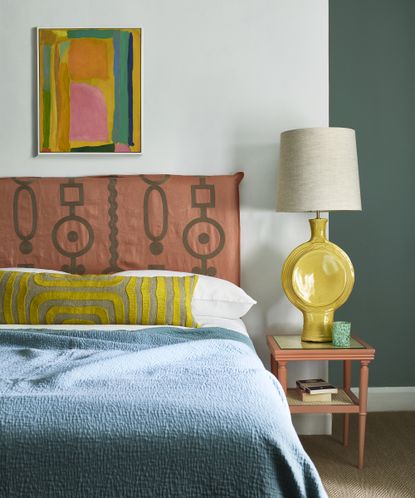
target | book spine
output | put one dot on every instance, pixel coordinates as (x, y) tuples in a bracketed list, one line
[(314, 397), (320, 390)]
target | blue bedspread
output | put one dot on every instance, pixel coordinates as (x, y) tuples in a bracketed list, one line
[(152, 413)]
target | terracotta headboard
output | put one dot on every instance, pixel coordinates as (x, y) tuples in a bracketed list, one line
[(110, 223)]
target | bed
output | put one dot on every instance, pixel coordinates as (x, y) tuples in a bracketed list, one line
[(139, 410)]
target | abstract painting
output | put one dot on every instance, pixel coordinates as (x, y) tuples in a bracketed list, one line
[(89, 90)]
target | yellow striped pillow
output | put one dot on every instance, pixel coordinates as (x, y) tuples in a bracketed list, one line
[(52, 298)]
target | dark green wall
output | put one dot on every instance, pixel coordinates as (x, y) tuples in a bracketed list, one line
[(372, 89)]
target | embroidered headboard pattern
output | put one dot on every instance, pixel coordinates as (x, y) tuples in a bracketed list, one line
[(106, 224)]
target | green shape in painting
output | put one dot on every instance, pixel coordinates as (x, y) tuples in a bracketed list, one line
[(90, 33)]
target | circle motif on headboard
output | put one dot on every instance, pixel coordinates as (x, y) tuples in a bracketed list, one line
[(198, 233), (68, 231), (72, 235), (203, 237)]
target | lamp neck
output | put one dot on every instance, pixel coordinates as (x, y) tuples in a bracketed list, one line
[(318, 229)]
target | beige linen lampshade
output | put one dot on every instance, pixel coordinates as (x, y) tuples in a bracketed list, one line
[(318, 170)]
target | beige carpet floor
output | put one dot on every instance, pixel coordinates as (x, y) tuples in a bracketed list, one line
[(389, 470)]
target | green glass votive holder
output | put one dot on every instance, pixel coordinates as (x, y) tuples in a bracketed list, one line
[(341, 334)]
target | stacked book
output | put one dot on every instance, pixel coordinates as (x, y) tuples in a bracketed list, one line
[(312, 390)]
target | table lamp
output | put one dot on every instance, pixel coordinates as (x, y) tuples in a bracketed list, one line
[(318, 171)]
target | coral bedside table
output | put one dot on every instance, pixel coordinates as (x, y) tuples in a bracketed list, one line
[(285, 348)]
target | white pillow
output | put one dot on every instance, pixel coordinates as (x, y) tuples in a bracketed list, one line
[(212, 296), (32, 270)]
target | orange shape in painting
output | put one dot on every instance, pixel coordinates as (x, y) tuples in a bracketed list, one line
[(88, 59)]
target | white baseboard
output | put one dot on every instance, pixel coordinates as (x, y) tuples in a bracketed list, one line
[(312, 424), (390, 399)]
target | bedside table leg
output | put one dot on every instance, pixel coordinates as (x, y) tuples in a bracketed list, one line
[(364, 380), (346, 425), (347, 382), (274, 367), (282, 374)]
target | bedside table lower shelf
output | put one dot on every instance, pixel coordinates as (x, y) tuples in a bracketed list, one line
[(342, 402)]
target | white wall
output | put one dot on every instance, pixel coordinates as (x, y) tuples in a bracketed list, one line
[(222, 79)]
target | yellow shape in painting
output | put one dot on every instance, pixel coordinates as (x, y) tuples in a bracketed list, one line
[(63, 106), (46, 36), (41, 56), (88, 58)]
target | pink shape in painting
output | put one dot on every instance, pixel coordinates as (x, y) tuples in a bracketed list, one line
[(122, 148), (88, 113)]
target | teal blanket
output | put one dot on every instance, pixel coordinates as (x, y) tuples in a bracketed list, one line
[(153, 413)]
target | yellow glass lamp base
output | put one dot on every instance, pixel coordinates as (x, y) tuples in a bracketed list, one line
[(317, 278)]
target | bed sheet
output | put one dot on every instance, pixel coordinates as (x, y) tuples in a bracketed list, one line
[(204, 321)]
